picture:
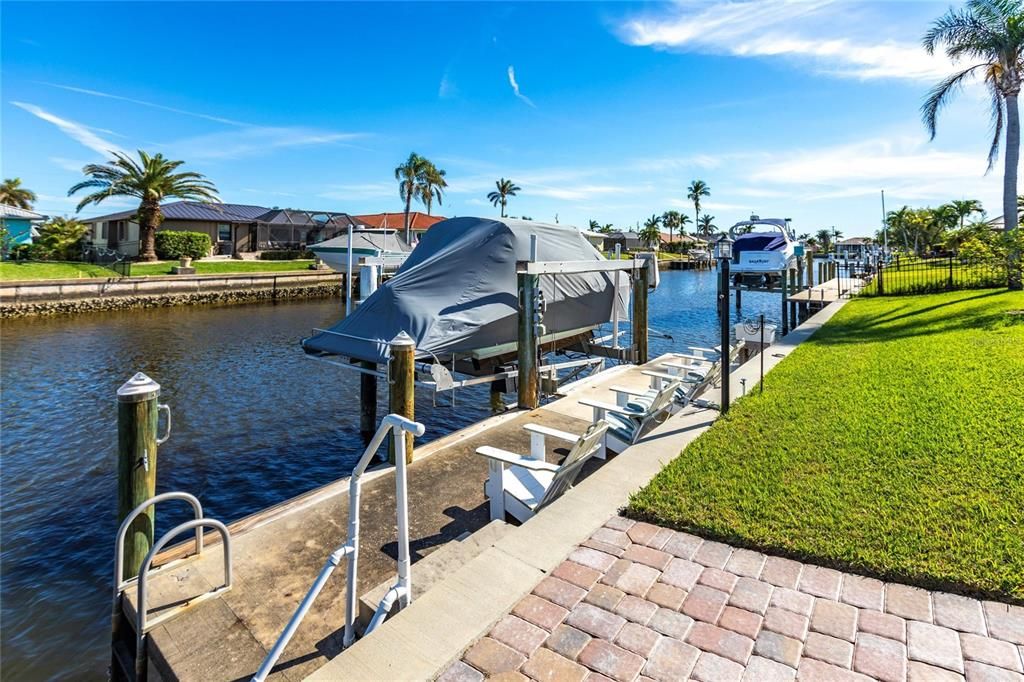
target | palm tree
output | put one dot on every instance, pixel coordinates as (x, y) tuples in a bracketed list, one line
[(595, 226), (989, 33), (151, 179), (898, 223), (696, 190), (13, 194), (964, 208), (824, 237), (608, 228), (506, 189), (652, 231), (706, 225), (410, 175), (671, 220), (431, 186)]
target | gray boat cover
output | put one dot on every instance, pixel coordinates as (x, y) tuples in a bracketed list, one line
[(457, 291)]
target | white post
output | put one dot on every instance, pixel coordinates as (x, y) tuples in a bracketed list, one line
[(402, 499), (615, 301), (348, 275)]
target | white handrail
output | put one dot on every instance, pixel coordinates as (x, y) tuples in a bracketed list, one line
[(402, 591)]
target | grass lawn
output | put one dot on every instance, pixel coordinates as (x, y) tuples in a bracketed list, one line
[(51, 270), (891, 443)]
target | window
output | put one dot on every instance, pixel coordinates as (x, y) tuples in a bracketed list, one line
[(122, 230), (224, 233), (103, 230)]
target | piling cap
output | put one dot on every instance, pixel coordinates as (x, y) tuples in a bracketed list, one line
[(140, 387), (402, 339)]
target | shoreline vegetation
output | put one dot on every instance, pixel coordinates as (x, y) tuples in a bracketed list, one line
[(888, 444), (11, 271)]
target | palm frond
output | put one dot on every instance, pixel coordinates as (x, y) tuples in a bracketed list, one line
[(940, 95)]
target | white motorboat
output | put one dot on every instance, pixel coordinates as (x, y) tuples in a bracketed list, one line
[(762, 249), (384, 246)]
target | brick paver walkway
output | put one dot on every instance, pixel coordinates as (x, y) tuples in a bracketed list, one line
[(636, 601)]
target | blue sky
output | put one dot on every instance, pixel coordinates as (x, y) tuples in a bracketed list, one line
[(599, 111)]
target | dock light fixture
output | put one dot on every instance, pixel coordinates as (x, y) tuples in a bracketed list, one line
[(723, 254)]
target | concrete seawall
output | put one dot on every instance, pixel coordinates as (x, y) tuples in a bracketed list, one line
[(51, 297)]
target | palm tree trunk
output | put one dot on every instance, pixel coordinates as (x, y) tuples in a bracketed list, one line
[(1010, 187), (149, 220), (503, 206), (408, 205)]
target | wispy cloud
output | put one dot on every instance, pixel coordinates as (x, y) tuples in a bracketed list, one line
[(72, 165), (255, 141), (447, 88), (82, 134), (144, 103), (803, 30), (515, 87)]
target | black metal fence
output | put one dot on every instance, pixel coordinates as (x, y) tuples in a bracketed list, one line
[(911, 275), (109, 258)]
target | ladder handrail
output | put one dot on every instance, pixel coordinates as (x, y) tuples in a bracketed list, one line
[(397, 425), (197, 508)]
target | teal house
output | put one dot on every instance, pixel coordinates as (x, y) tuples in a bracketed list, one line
[(19, 223)]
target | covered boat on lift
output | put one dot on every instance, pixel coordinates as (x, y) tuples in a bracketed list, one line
[(383, 245), (457, 295), (762, 249)]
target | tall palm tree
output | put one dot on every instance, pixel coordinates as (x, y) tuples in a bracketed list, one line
[(965, 207), (595, 226), (652, 231), (432, 186), (696, 190), (151, 179), (706, 225), (13, 194), (410, 175), (989, 33), (506, 189), (670, 219)]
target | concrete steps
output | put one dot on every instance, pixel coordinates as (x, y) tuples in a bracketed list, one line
[(434, 568)]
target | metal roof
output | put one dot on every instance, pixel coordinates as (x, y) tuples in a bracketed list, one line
[(7, 211)]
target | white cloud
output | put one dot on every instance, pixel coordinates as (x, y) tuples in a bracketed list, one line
[(76, 131), (515, 87), (75, 166), (447, 87), (107, 95), (254, 141), (796, 29)]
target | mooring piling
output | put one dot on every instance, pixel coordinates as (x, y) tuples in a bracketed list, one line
[(402, 396), (639, 316), (367, 400), (784, 274), (529, 321), (137, 442)]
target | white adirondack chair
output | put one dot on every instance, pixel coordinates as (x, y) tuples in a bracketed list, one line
[(523, 485), (634, 414), (687, 392)]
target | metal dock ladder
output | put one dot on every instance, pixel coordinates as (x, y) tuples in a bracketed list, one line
[(401, 592), (129, 659)]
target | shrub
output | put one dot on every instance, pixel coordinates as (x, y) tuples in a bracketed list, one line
[(172, 245), (59, 239), (286, 254)]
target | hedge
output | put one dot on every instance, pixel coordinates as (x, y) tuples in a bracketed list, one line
[(172, 245), (284, 254)]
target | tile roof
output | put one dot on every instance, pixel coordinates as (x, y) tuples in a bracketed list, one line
[(417, 220)]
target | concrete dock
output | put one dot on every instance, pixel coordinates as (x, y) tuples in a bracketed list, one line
[(829, 292), (277, 553)]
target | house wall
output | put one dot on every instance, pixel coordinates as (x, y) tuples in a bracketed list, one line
[(19, 230)]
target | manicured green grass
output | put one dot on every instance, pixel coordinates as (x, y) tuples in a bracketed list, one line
[(48, 270), (891, 443)]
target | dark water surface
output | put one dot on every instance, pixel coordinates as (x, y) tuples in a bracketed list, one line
[(255, 423)]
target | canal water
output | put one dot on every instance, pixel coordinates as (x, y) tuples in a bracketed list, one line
[(255, 423)]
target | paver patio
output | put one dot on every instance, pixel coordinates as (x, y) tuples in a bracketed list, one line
[(636, 601)]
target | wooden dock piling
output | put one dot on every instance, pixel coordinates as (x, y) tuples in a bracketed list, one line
[(639, 316), (529, 379), (136, 465), (402, 398), (367, 401), (785, 303)]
